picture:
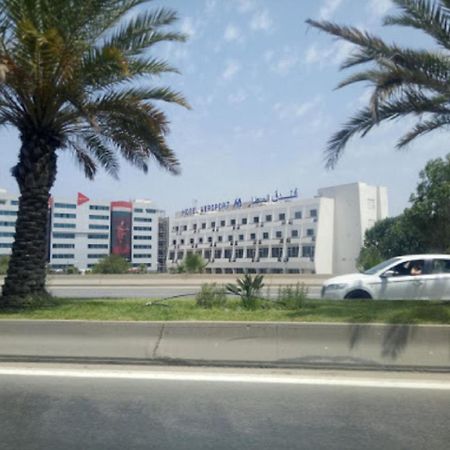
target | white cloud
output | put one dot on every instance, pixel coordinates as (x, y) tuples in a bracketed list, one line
[(238, 97), (261, 21), (232, 33), (231, 69), (210, 5), (245, 5), (295, 110), (334, 54), (188, 27), (329, 8), (284, 65), (379, 7)]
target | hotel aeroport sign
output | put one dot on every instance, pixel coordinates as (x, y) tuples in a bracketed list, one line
[(237, 203)]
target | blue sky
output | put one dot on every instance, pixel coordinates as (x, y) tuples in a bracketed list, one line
[(261, 86)]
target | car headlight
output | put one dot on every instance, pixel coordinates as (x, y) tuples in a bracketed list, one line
[(332, 287)]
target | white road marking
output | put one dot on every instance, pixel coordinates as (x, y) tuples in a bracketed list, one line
[(230, 378)]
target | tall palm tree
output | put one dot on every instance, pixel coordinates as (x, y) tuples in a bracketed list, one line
[(76, 76), (405, 81)]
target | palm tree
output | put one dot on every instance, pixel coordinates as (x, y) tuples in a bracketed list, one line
[(74, 78), (405, 81)]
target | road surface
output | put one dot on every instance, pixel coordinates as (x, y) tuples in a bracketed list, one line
[(87, 408)]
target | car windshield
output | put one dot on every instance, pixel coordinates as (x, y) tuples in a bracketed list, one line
[(381, 266)]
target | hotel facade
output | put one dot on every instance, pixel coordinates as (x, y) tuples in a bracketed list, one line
[(280, 234), (83, 231)]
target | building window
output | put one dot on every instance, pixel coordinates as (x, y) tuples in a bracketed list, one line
[(174, 242), (294, 233), (142, 238), (250, 253), (194, 227), (138, 210), (7, 224), (265, 235), (282, 216), (297, 215), (8, 213), (222, 223), (98, 217), (98, 236), (313, 213), (263, 252), (142, 228), (97, 255), (309, 232), (142, 256), (200, 240), (172, 256), (184, 227), (141, 247), (14, 202), (371, 203), (239, 253), (98, 245), (293, 251), (63, 256), (219, 238), (150, 211), (191, 241), (182, 242), (209, 239), (203, 226), (218, 254), (5, 245), (277, 252), (207, 254), (269, 218), (65, 216), (98, 227), (233, 222), (64, 225), (64, 235), (142, 219), (308, 251), (256, 219), (244, 221), (213, 224), (230, 238), (98, 208), (65, 205), (63, 246), (253, 236), (278, 234), (241, 237), (227, 254)]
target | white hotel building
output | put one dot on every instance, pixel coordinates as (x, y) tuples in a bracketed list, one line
[(279, 234), (81, 231)]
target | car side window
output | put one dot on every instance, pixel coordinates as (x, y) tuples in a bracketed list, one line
[(440, 266), (413, 267)]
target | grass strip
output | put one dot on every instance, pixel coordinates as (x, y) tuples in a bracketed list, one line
[(365, 311)]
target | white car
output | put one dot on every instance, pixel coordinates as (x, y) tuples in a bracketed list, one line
[(411, 277)]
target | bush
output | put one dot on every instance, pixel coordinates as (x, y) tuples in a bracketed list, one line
[(193, 263), (211, 296), (4, 261), (72, 270), (292, 297), (112, 264), (248, 288)]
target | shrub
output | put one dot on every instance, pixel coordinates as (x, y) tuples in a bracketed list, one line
[(192, 263), (112, 264), (4, 261), (248, 288), (292, 297), (211, 296), (72, 270)]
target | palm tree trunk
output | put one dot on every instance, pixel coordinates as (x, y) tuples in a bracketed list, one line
[(35, 174)]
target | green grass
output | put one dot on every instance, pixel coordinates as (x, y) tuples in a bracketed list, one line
[(313, 311)]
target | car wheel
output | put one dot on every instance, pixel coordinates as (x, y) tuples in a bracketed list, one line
[(357, 295)]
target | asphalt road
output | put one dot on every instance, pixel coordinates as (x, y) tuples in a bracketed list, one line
[(142, 291), (86, 410)]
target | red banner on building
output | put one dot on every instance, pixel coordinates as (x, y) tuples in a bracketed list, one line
[(121, 229), (81, 199)]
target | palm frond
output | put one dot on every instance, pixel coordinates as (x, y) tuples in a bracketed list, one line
[(424, 127)]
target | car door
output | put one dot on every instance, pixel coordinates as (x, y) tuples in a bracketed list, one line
[(397, 283), (437, 283)]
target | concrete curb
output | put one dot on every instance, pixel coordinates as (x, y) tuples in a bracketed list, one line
[(357, 346)]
